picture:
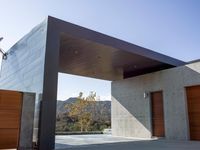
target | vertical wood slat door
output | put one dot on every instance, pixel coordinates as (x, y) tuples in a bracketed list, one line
[(10, 116), (158, 129), (193, 101)]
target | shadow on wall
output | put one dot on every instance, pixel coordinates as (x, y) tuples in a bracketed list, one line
[(128, 119), (131, 112)]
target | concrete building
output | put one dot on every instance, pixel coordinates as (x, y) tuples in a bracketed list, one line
[(150, 91), (132, 104)]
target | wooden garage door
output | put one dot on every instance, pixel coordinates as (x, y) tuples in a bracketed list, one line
[(193, 101), (10, 113), (157, 114)]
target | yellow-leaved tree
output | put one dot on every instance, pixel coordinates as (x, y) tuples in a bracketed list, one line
[(79, 110)]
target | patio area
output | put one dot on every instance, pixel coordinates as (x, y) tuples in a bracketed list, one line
[(108, 142)]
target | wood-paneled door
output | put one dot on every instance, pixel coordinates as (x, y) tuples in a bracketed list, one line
[(158, 128), (193, 102), (10, 116)]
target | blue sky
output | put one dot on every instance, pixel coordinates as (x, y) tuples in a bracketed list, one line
[(171, 27)]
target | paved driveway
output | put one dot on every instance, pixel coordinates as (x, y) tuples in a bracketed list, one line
[(108, 142)]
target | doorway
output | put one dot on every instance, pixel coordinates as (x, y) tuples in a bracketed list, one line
[(193, 101), (158, 129), (10, 116)]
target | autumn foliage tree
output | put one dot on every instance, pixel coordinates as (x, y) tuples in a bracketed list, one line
[(79, 110)]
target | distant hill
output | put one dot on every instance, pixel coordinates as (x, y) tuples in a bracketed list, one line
[(101, 116), (103, 107), (61, 104)]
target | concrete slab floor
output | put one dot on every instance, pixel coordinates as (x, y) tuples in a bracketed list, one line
[(108, 142)]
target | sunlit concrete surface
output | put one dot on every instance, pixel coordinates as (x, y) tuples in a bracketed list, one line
[(108, 142), (80, 140)]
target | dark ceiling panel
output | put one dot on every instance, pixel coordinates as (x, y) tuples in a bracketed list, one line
[(87, 58)]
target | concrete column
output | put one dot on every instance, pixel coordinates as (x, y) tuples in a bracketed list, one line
[(27, 118)]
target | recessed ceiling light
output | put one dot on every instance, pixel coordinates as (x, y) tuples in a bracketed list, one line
[(75, 52)]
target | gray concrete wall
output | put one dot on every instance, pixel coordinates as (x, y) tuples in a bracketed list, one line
[(23, 70), (27, 118), (131, 114)]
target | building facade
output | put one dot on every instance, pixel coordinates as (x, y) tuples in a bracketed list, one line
[(132, 113), (138, 75)]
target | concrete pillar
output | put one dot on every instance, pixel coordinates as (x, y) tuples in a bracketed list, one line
[(27, 118)]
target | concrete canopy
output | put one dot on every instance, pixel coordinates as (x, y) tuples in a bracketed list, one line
[(88, 53), (76, 50)]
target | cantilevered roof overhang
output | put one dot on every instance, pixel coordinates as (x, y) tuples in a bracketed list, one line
[(89, 53), (76, 50)]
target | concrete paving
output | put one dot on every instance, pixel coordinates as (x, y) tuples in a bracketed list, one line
[(108, 142)]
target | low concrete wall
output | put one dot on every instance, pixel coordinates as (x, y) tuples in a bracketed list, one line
[(131, 114)]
